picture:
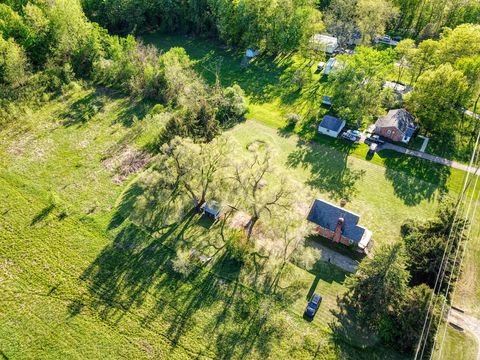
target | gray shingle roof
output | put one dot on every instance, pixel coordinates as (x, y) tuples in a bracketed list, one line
[(331, 123), (326, 215), (399, 118)]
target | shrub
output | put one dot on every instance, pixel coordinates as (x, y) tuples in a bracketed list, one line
[(182, 263), (232, 106), (293, 119)]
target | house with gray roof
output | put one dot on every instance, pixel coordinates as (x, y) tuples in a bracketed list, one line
[(398, 125), (331, 126), (339, 225)]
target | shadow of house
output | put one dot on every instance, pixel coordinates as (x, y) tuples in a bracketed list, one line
[(413, 179), (329, 171)]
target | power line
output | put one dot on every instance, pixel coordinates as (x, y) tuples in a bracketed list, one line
[(425, 329), (470, 221)]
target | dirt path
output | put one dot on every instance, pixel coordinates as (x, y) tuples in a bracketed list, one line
[(466, 322)]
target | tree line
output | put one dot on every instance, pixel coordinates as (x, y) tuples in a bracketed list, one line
[(391, 293), (44, 46), (273, 26)]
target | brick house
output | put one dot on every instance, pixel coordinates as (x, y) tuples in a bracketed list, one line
[(339, 225), (398, 125)]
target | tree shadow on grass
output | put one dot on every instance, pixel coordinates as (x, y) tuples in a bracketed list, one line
[(127, 202), (414, 179), (42, 214), (83, 109), (328, 167), (123, 272), (137, 266)]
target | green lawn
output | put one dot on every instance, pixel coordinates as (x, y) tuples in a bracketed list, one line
[(80, 281), (459, 345), (401, 187)]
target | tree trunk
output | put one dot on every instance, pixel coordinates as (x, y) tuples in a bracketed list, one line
[(249, 226)]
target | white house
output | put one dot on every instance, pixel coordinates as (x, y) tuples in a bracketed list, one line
[(324, 43), (331, 126)]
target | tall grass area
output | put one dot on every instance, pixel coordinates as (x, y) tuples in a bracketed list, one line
[(80, 281)]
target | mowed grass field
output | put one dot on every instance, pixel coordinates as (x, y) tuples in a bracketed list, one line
[(79, 280), (397, 188)]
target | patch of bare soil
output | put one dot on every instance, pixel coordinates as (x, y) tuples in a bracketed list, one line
[(239, 220), (125, 162)]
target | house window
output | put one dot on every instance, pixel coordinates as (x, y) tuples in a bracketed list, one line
[(389, 132)]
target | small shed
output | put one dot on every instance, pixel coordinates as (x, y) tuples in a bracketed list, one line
[(331, 126), (213, 209), (326, 43)]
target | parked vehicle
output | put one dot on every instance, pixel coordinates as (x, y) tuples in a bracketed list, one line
[(320, 66), (348, 136), (312, 307), (373, 149), (374, 139), (355, 132), (352, 135)]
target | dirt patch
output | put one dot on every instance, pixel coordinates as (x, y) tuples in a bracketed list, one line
[(239, 220), (125, 162)]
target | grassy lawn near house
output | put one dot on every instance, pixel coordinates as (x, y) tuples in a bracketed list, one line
[(402, 187), (78, 281), (268, 84)]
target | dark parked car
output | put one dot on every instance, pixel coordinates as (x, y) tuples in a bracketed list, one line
[(312, 307), (373, 149)]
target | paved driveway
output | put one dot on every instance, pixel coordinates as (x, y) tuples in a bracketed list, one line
[(426, 156)]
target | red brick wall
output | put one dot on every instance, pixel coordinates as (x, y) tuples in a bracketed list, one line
[(395, 134), (326, 233)]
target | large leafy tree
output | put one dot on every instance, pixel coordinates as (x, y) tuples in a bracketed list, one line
[(373, 17), (13, 63), (259, 190), (379, 284), (402, 329), (356, 88), (340, 21), (438, 97), (427, 241)]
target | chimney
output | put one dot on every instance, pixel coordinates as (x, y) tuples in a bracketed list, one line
[(338, 230)]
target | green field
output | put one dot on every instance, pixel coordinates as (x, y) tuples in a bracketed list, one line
[(402, 187), (79, 280)]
